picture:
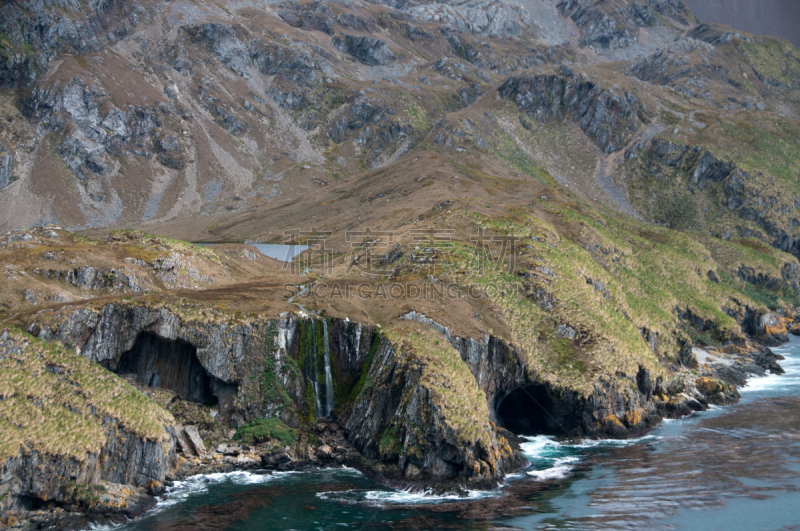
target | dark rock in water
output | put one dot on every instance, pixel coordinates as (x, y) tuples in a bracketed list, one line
[(155, 488), (277, 458), (369, 50), (769, 360)]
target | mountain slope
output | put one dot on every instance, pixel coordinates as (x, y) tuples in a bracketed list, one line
[(568, 198)]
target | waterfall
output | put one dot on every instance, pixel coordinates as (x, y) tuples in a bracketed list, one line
[(314, 365), (316, 354), (326, 349)]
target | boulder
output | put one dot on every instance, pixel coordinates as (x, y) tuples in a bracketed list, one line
[(194, 439)]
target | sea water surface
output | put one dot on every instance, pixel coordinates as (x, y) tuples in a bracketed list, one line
[(729, 468)]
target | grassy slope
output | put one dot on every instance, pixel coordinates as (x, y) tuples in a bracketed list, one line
[(760, 70), (53, 401)]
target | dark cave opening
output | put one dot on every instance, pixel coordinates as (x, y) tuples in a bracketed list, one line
[(529, 410), (172, 365)]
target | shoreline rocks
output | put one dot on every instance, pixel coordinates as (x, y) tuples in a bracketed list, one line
[(395, 429)]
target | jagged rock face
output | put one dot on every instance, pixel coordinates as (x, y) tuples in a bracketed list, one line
[(125, 459), (688, 66), (6, 167), (512, 389), (481, 17), (598, 28), (607, 116), (95, 138), (741, 191), (93, 278), (523, 404), (213, 362), (712, 34), (619, 27), (34, 475), (369, 50), (371, 125), (398, 421), (52, 26), (110, 338), (201, 361)]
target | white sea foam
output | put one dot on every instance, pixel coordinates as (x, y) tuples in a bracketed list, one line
[(198, 484), (556, 472), (540, 446), (615, 443), (406, 497)]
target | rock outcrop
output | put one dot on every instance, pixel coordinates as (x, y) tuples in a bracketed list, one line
[(369, 50), (34, 34), (742, 192), (481, 17), (220, 361), (93, 137), (689, 66), (81, 437), (6, 168), (608, 116)]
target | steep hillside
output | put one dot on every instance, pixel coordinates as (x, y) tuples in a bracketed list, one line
[(591, 203)]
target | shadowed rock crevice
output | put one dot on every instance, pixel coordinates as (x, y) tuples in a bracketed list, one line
[(534, 410), (171, 365)]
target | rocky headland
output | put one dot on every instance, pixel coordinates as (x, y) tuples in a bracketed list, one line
[(559, 217)]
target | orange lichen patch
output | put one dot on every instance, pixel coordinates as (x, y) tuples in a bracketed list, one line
[(710, 386), (632, 418), (732, 349), (612, 419), (778, 329)]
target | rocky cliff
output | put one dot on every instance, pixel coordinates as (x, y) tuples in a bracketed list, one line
[(586, 209), (420, 404), (71, 430)]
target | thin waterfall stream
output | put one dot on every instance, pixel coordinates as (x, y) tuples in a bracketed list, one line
[(326, 348), (315, 378), (732, 467)]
